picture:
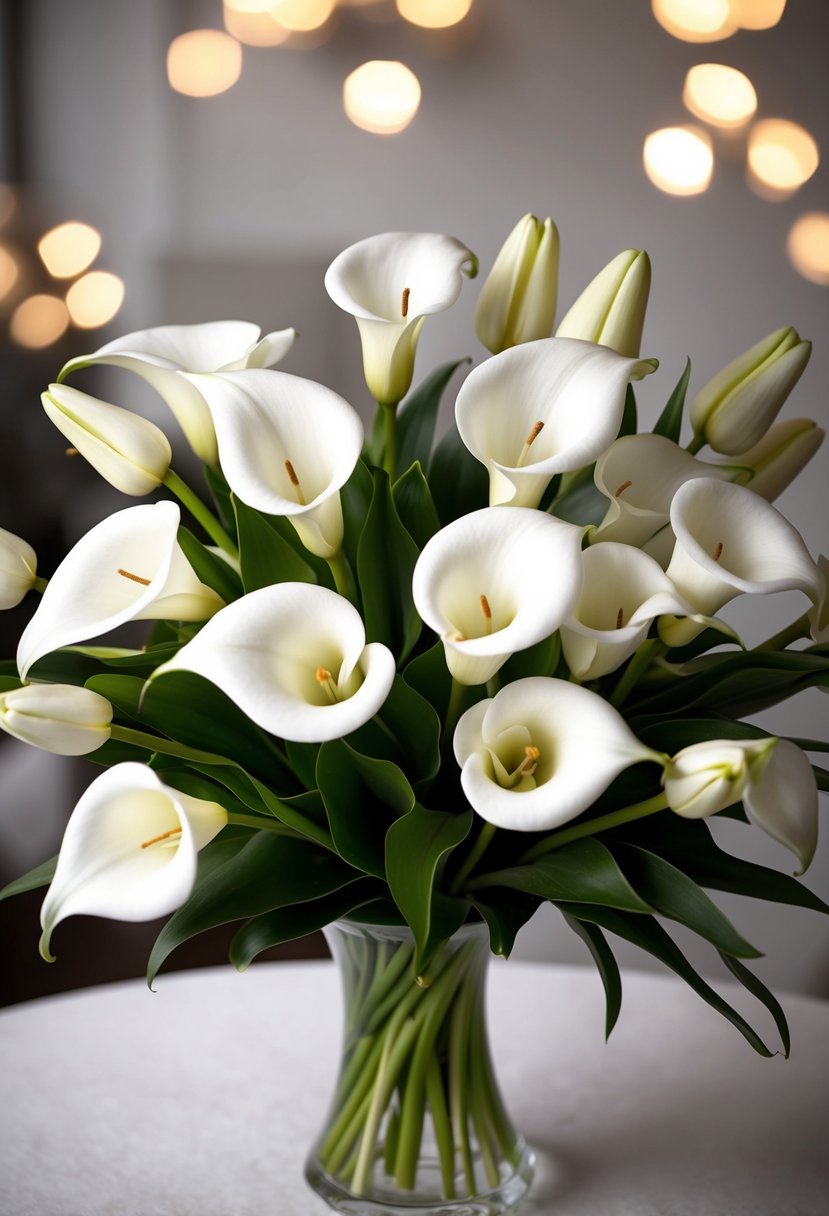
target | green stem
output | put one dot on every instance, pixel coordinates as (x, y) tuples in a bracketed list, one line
[(637, 666), (458, 1090), (801, 628), (695, 444), (453, 711), (389, 439), (442, 1126), (474, 856), (40, 584), (589, 828), (343, 576), (155, 743), (200, 512), (260, 821)]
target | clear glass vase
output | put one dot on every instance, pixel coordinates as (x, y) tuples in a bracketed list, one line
[(417, 1123)]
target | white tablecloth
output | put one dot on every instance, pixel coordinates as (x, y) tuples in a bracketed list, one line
[(201, 1100)]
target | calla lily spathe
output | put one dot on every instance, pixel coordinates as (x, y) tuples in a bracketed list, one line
[(158, 355), (518, 300), (540, 752), (18, 569), (730, 541), (60, 718), (733, 411), (129, 567), (494, 582), (623, 592), (390, 283), (130, 452), (542, 408), (129, 851), (294, 658), (611, 309), (286, 446), (772, 777)]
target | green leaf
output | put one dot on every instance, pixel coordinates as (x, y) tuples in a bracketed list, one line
[(362, 797), (673, 894), (9, 683), (215, 785), (738, 683), (758, 989), (415, 506), (629, 416), (40, 876), (269, 871), (429, 676), (539, 660), (648, 935), (416, 845), (418, 415), (582, 502), (221, 495), (264, 555), (405, 730), (459, 483), (669, 422), (606, 965), (673, 734), (209, 567), (386, 559), (821, 777), (288, 924), (355, 497), (583, 871), (505, 916)]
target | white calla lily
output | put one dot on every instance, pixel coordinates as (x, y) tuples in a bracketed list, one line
[(18, 569), (774, 462), (518, 300), (730, 541), (130, 452), (623, 592), (390, 283), (819, 612), (540, 752), (494, 582), (542, 408), (294, 658), (611, 309), (772, 777), (60, 718), (158, 355), (129, 851), (286, 446), (128, 568)]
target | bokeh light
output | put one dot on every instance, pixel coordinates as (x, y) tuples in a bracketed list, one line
[(69, 248), (757, 14), (8, 203), (254, 28), (9, 271), (301, 16), (381, 96), (95, 299), (695, 20), (782, 155), (434, 14), (39, 321), (202, 63), (808, 246), (679, 160), (719, 95)]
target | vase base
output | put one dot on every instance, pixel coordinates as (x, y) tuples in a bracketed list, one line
[(501, 1198)]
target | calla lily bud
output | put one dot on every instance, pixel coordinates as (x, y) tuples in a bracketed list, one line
[(60, 718), (130, 850), (611, 310), (18, 569), (783, 452), (130, 452), (772, 777), (518, 300), (819, 612), (734, 410)]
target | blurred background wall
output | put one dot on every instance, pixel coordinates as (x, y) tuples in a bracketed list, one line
[(233, 205)]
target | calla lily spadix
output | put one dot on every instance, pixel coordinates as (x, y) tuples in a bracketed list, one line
[(130, 850), (494, 582), (390, 283), (294, 658), (129, 567), (540, 752), (611, 309), (286, 446), (623, 592), (158, 355), (18, 569), (730, 541), (130, 452), (639, 475), (772, 777), (542, 408), (60, 718)]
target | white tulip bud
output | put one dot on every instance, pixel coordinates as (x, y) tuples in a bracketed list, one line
[(60, 718), (18, 569), (782, 453), (611, 310), (518, 300)]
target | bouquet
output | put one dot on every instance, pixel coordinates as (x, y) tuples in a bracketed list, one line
[(433, 685)]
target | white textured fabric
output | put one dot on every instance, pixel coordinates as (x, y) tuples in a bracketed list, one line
[(205, 1097)]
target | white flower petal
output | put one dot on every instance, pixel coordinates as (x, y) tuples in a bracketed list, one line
[(784, 801), (611, 309), (18, 568), (60, 718)]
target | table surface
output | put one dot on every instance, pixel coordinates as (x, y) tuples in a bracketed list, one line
[(201, 1099)]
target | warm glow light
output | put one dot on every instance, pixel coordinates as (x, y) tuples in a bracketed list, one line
[(203, 63), (302, 15), (679, 160), (381, 96), (249, 6), (254, 28), (8, 203), (95, 299), (781, 156), (434, 14), (757, 14), (39, 321), (808, 246), (695, 20), (9, 272), (719, 94), (69, 249)]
